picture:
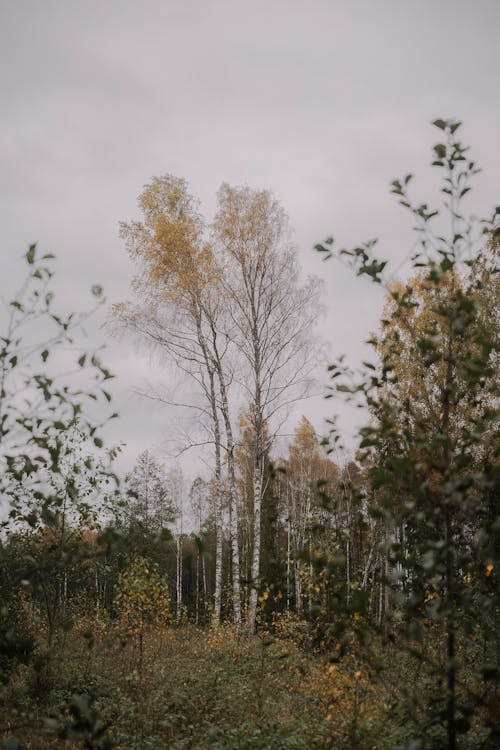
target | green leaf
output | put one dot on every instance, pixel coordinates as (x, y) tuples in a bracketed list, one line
[(446, 264), (441, 124), (30, 255)]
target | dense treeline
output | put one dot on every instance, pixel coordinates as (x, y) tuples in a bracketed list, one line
[(309, 503), (372, 581)]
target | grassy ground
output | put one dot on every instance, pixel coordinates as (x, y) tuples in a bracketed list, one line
[(199, 689), (209, 690), (191, 689), (214, 691)]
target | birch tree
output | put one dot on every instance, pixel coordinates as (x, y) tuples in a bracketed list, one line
[(234, 301), (273, 315), (176, 312), (306, 467)]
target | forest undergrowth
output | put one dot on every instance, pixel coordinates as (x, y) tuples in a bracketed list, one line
[(188, 687), (195, 688)]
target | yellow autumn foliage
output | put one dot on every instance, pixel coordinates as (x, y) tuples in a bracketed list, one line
[(143, 599)]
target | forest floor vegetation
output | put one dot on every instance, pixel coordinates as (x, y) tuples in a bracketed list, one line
[(193, 688)]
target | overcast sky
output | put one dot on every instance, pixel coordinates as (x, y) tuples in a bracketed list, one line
[(323, 102)]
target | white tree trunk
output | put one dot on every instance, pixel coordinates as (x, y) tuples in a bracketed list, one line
[(257, 508), (179, 576), (218, 512), (298, 589), (233, 511), (288, 560), (204, 579), (233, 532)]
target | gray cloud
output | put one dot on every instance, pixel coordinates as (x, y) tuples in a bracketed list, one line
[(323, 102)]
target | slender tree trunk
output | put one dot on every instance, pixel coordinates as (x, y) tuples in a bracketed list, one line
[(367, 566), (255, 572), (179, 577), (204, 579), (386, 586), (146, 493), (211, 366), (381, 593), (348, 567), (311, 575), (197, 595), (97, 592), (235, 553), (288, 560), (233, 512), (218, 508), (65, 591), (298, 589), (179, 561)]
